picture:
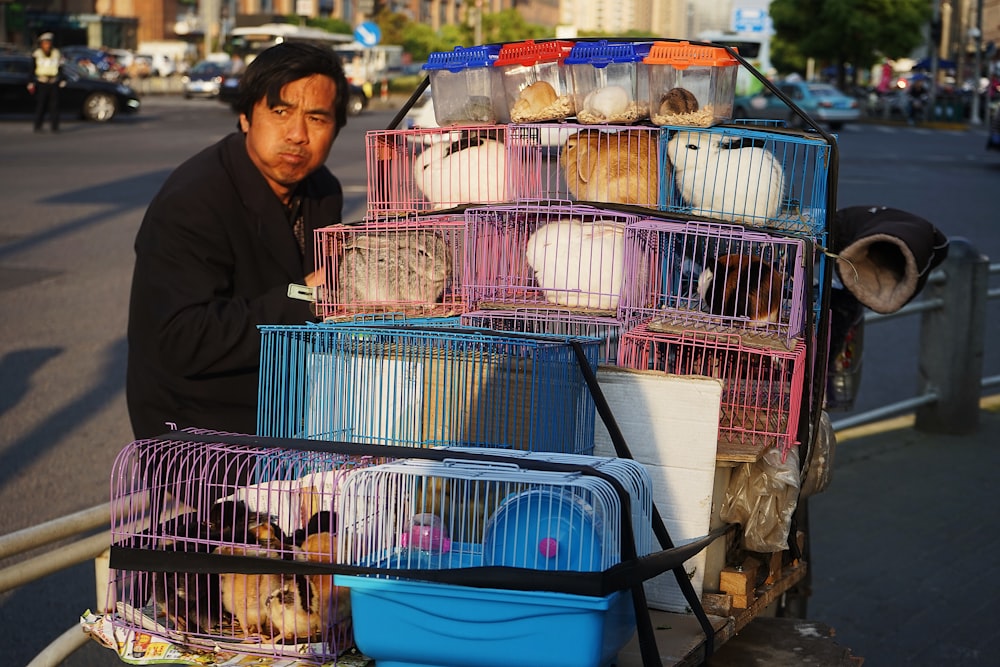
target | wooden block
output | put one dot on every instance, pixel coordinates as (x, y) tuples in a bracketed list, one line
[(741, 601), (740, 580), (717, 604), (774, 567)]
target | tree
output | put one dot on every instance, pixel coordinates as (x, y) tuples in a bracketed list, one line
[(509, 26), (855, 32), (419, 40), (328, 24)]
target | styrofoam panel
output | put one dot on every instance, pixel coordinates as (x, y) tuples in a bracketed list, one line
[(671, 425)]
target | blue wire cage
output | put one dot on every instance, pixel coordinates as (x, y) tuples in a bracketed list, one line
[(426, 386), (764, 178)]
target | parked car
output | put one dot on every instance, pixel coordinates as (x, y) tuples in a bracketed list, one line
[(92, 97), (204, 79), (821, 101), (229, 92)]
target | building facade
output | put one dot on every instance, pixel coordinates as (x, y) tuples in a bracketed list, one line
[(126, 23)]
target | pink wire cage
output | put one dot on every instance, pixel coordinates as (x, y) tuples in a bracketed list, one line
[(441, 168), (762, 387), (178, 498), (545, 255), (411, 265), (715, 277)]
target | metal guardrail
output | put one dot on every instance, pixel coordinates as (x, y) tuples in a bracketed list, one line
[(954, 309), (94, 547)]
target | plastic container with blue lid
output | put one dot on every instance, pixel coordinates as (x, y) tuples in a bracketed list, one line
[(609, 81), (465, 87)]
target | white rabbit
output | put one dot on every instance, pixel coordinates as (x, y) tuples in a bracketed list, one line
[(472, 169), (579, 264), (743, 185)]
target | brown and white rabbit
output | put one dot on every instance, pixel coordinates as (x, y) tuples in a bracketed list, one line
[(618, 167), (394, 266)]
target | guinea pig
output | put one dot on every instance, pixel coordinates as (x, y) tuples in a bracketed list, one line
[(533, 101), (742, 287)]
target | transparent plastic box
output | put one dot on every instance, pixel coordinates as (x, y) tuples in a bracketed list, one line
[(690, 85), (609, 82), (537, 86), (465, 87)]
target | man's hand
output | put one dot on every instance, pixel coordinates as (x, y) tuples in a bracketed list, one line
[(315, 278), (31, 88)]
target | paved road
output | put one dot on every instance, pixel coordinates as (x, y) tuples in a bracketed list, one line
[(72, 204)]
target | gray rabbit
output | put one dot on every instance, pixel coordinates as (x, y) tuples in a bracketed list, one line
[(394, 266)]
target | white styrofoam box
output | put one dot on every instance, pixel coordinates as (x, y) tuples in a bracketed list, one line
[(670, 424)]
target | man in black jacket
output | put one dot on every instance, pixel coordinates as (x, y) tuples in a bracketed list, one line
[(220, 243)]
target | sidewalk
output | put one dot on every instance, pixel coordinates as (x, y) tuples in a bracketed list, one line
[(905, 544)]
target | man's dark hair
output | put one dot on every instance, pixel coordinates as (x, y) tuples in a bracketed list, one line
[(276, 67)]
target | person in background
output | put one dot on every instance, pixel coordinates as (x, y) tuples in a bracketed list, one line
[(993, 139), (46, 82), (236, 65), (220, 243)]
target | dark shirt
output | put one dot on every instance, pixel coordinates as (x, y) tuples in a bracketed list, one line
[(214, 257)]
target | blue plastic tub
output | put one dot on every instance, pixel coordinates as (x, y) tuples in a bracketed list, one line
[(402, 623)]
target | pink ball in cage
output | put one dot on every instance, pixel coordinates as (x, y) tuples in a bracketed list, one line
[(548, 547), (427, 533)]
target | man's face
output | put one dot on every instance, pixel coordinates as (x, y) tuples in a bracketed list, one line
[(290, 141)]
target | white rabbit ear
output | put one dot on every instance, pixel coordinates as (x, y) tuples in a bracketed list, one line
[(704, 283)]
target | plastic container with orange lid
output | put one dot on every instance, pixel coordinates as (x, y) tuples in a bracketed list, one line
[(690, 84), (536, 85)]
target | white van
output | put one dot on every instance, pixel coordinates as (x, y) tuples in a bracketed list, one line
[(167, 57)]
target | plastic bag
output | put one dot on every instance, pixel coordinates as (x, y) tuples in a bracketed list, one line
[(818, 471), (762, 497)]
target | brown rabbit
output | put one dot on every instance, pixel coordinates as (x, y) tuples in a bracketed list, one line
[(618, 167)]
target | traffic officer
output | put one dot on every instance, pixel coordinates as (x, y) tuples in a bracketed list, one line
[(46, 82)]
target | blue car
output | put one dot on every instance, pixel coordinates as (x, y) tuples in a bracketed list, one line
[(821, 101)]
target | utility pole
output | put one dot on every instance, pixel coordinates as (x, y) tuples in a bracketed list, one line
[(977, 34), (935, 35), (478, 25)]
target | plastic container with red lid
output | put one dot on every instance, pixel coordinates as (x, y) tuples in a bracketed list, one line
[(690, 84), (537, 87)]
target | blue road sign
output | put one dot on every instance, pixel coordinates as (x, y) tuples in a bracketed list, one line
[(747, 19), (368, 33)]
